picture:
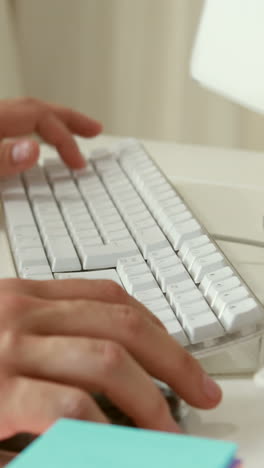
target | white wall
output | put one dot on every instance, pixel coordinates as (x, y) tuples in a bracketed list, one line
[(126, 62)]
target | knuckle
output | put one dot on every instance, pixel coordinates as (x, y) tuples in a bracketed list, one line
[(115, 291), (11, 309), (131, 321), (113, 356), (74, 404)]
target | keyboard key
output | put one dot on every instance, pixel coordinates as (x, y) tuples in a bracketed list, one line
[(167, 275), (160, 308), (179, 287), (213, 277), (228, 297), (220, 287), (109, 274), (30, 257), (141, 282), (241, 315), (192, 244), (39, 277), (62, 255), (125, 262), (192, 296), (204, 265), (183, 231), (201, 326), (166, 262), (148, 294), (164, 315), (174, 328), (197, 253), (106, 256), (150, 239), (156, 255), (36, 270)]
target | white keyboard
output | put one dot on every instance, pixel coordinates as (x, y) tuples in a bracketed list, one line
[(121, 219)]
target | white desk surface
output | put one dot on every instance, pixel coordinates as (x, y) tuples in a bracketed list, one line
[(225, 189)]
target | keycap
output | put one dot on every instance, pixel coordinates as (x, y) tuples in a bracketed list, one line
[(204, 265), (177, 300), (171, 274), (125, 262), (165, 262), (106, 256), (36, 270), (228, 297), (155, 256), (192, 244), (240, 315), (30, 257), (220, 287), (109, 274), (148, 294), (197, 253), (140, 282), (214, 276), (183, 231), (160, 308), (175, 330), (39, 277), (179, 287), (201, 326), (62, 255)]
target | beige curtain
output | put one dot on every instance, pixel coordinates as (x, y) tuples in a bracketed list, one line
[(126, 62), (10, 70)]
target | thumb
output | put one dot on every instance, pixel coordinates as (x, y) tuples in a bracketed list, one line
[(17, 156)]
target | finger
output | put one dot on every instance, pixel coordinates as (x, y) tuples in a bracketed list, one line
[(154, 349), (78, 123), (98, 366), (93, 290), (55, 132), (21, 116), (17, 156), (29, 405), (24, 116)]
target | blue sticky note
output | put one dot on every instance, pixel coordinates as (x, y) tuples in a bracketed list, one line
[(80, 444)]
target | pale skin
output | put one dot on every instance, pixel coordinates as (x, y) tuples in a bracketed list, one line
[(62, 340)]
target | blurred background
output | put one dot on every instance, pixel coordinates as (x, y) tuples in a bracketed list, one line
[(124, 62)]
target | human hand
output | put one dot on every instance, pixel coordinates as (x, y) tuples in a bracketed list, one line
[(62, 340), (20, 117)]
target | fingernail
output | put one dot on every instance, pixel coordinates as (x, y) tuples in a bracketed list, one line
[(211, 388), (21, 151)]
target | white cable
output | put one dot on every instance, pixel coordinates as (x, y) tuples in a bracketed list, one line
[(211, 183), (237, 240)]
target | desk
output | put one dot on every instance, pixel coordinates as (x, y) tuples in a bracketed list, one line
[(225, 189)]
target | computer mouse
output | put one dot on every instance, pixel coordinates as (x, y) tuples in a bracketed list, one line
[(116, 416)]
